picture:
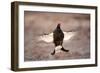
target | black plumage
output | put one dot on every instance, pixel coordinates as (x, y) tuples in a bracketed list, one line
[(58, 37)]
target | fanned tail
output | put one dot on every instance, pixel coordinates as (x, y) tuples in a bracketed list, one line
[(59, 48), (64, 49)]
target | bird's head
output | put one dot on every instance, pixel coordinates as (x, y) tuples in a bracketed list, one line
[(58, 26)]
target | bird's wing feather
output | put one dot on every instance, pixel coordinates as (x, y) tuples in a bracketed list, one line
[(49, 38), (68, 35)]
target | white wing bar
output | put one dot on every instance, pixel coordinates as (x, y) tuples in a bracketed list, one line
[(49, 38)]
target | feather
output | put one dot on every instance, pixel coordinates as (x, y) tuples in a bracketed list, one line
[(49, 37)]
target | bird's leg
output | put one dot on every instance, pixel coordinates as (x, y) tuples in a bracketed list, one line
[(64, 49), (53, 52)]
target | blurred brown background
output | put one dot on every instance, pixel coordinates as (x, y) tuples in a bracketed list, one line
[(38, 23)]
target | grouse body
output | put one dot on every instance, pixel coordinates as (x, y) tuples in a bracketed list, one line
[(58, 37)]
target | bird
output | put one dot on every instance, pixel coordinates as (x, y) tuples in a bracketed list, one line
[(57, 37)]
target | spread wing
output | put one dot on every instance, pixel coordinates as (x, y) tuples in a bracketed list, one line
[(46, 38), (49, 37)]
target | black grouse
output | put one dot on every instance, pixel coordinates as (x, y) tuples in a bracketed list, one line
[(58, 37)]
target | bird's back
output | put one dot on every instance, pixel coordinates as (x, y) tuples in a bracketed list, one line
[(58, 35)]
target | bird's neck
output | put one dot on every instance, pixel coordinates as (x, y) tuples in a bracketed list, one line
[(58, 27)]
